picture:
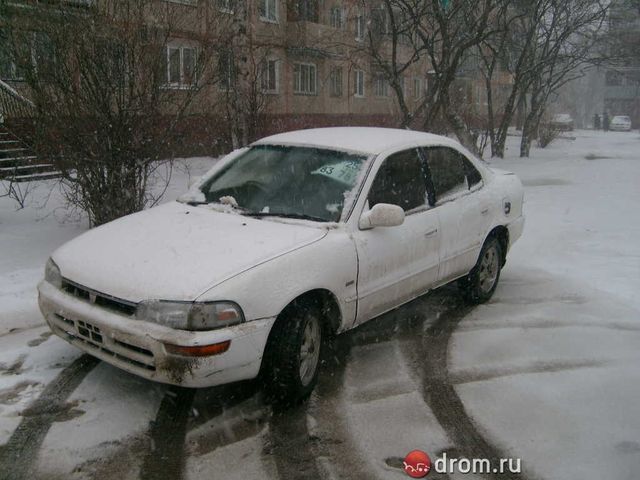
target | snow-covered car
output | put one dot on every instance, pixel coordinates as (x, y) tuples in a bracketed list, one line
[(620, 123), (298, 237), (562, 122)]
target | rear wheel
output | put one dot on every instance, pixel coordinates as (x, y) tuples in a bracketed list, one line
[(292, 357), (478, 286)]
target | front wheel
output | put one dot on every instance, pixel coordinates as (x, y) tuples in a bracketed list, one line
[(478, 286), (292, 359)]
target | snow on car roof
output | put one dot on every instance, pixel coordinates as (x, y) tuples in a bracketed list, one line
[(369, 140)]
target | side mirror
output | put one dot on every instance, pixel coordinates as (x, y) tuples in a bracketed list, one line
[(382, 215)]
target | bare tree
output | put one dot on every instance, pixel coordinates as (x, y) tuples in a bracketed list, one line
[(506, 51), (109, 93), (407, 34), (245, 75), (566, 44), (542, 44), (448, 32), (393, 52)]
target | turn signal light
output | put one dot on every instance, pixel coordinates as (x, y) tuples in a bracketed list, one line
[(198, 350)]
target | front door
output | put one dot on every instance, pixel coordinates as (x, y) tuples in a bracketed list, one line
[(397, 264)]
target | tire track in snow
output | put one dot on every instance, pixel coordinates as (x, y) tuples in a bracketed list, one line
[(330, 454), (165, 457), (472, 375), (428, 359), (166, 453), (19, 455), (289, 442), (335, 452), (324, 453)]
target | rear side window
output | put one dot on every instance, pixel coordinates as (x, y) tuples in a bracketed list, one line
[(473, 175), (447, 171), (400, 181), (451, 172)]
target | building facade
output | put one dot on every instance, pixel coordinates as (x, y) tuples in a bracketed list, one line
[(622, 79), (296, 64)]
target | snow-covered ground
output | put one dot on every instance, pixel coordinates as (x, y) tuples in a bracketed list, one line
[(27, 238), (550, 368), (548, 371)]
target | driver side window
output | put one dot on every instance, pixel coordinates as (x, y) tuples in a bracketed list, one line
[(400, 181)]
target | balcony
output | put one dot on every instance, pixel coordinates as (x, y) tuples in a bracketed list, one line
[(626, 92), (311, 36)]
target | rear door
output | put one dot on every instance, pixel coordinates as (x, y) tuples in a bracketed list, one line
[(463, 206), (399, 263)]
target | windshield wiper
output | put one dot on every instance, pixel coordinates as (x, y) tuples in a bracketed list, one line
[(297, 216)]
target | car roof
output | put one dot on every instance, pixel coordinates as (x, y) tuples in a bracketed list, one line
[(369, 140)]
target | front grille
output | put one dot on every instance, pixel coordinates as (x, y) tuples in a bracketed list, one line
[(90, 332), (92, 338), (105, 301)]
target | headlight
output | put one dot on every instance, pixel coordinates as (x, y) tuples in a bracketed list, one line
[(52, 274), (190, 315)]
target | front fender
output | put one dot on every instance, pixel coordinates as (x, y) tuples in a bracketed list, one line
[(266, 289)]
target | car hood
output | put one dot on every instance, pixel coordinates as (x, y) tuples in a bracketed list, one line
[(175, 251)]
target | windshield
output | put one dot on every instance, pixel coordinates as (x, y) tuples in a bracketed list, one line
[(296, 182)]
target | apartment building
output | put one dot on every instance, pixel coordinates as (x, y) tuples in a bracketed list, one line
[(307, 57), (622, 80)]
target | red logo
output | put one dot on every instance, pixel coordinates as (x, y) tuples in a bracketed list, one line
[(417, 464)]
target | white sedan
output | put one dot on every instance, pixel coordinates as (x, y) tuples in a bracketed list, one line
[(298, 237), (620, 123)]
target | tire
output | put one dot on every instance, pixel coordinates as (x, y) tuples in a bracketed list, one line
[(292, 357), (478, 286)]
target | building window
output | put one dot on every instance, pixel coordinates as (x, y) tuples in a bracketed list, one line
[(181, 66), (304, 79), (359, 83), (268, 10), (8, 68), (307, 10), (380, 24), (417, 88), (360, 27), (269, 76), (336, 18), (226, 70), (42, 54), (614, 79), (226, 6), (380, 86), (335, 82)]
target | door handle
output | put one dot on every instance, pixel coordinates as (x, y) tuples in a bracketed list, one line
[(431, 233), (484, 211)]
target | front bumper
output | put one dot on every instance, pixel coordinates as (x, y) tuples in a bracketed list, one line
[(139, 347)]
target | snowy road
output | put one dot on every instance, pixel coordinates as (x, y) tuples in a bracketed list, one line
[(548, 371), (392, 368)]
